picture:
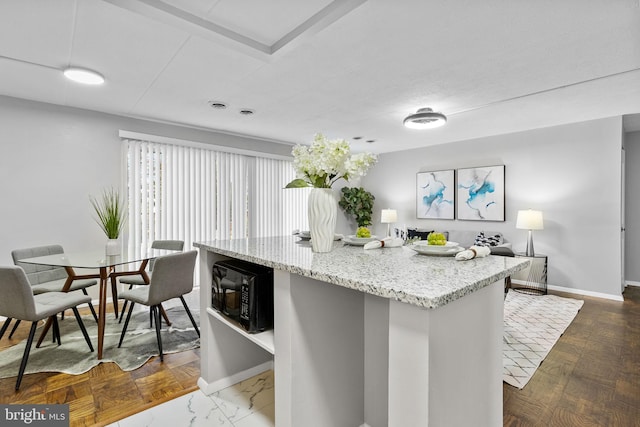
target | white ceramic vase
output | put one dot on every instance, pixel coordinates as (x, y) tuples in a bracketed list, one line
[(322, 212), (113, 247)]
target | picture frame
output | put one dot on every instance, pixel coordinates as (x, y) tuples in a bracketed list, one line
[(435, 194), (480, 193)]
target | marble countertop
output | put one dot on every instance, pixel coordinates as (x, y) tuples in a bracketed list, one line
[(397, 273)]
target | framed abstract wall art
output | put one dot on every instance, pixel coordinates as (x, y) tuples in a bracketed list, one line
[(435, 194), (480, 193)]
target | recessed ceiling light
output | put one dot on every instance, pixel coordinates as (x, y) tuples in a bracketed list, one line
[(357, 137), (370, 141), (425, 118), (218, 105), (84, 76), (246, 112)]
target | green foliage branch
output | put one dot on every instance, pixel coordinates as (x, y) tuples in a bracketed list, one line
[(358, 202)]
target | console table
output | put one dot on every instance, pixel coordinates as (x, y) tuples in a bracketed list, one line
[(383, 337)]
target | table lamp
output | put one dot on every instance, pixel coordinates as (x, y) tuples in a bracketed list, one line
[(388, 216), (529, 220)]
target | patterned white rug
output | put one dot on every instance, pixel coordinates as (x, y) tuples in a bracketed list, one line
[(532, 325)]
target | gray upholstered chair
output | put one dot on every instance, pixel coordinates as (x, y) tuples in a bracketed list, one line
[(19, 302), (47, 278), (172, 278), (137, 280)]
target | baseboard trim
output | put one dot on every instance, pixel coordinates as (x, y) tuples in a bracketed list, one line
[(208, 388), (575, 291), (632, 283), (585, 293)]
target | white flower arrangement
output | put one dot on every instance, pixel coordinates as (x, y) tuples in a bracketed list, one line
[(326, 161)]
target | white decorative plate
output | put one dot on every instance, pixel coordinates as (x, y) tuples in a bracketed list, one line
[(450, 249), (359, 241), (443, 248)]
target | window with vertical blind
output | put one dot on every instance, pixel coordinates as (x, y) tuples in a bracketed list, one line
[(197, 194)]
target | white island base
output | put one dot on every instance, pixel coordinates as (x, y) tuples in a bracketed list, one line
[(345, 358)]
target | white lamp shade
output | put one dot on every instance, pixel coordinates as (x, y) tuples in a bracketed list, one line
[(529, 220), (388, 216)]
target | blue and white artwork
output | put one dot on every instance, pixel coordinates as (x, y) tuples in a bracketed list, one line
[(480, 193), (435, 195)]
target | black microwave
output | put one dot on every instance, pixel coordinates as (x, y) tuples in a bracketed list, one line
[(243, 292)]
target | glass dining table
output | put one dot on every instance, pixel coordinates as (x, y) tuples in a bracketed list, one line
[(109, 268)]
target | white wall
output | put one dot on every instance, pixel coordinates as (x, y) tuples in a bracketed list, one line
[(53, 158), (632, 207), (571, 173)]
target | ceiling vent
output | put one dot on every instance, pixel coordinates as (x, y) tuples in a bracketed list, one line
[(217, 105)]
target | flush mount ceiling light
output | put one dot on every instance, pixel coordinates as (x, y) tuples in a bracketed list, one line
[(84, 76), (425, 118)]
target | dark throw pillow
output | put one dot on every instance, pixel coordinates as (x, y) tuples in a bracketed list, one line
[(422, 235), (482, 240)]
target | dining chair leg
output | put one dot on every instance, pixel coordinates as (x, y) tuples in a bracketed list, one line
[(124, 309), (193, 322), (126, 323), (15, 326), (114, 295), (93, 311), (25, 355), (82, 328), (164, 316), (156, 312), (124, 306), (5, 325), (56, 329)]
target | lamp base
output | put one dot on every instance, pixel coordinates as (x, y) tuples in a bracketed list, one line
[(530, 251)]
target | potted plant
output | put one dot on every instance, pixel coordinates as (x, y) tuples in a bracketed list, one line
[(110, 216), (358, 202)]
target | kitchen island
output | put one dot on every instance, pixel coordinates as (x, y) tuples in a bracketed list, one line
[(365, 337)]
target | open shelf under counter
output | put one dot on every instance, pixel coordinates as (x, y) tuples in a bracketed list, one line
[(262, 339)]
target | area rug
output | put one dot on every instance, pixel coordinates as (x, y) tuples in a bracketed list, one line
[(532, 325), (74, 357)]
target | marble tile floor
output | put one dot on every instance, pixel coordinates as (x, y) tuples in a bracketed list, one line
[(246, 404)]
